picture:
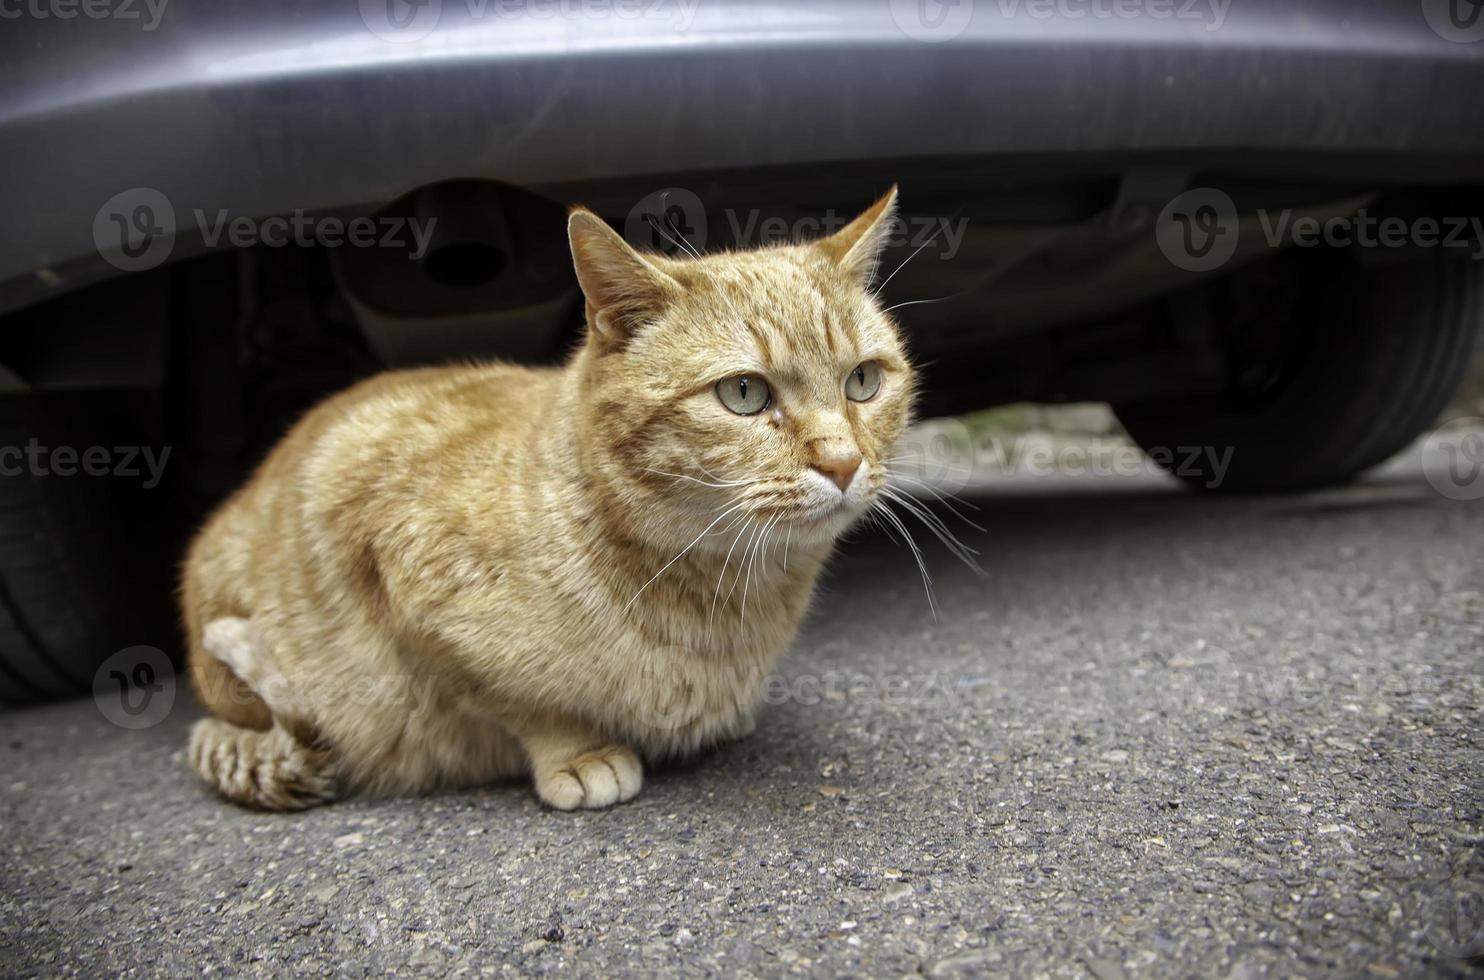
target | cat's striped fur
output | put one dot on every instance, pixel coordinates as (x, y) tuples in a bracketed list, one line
[(447, 576)]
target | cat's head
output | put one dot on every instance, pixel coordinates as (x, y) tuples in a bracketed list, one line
[(745, 387)]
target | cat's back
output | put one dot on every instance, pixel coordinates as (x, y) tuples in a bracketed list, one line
[(413, 414), (460, 395), (391, 437)]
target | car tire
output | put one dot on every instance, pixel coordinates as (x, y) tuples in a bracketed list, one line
[(82, 573), (1367, 360)]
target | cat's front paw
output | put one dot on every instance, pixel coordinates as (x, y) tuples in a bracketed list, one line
[(592, 780)]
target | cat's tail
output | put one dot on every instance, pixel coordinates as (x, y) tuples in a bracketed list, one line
[(266, 770)]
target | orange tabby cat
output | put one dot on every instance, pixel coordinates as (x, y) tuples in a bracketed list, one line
[(447, 576)]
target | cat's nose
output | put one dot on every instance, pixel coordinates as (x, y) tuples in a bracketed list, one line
[(840, 468)]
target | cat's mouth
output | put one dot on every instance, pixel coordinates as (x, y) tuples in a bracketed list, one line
[(831, 512)]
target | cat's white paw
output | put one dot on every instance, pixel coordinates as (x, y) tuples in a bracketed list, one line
[(236, 642), (232, 641), (593, 780)]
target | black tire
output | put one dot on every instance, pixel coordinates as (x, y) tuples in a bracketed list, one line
[(82, 566), (1356, 363)]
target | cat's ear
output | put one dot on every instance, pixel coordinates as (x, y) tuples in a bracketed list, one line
[(622, 287), (857, 247)]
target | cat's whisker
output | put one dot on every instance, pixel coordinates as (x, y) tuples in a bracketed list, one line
[(959, 472), (681, 476), (919, 302), (722, 575), (686, 248), (745, 481), (927, 580), (935, 524), (966, 475), (675, 226), (761, 546), (723, 532), (682, 553), (922, 512), (918, 508), (941, 229), (936, 491), (877, 291), (742, 562), (943, 498)]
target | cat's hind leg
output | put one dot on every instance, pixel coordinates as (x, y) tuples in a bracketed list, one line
[(282, 767), (221, 691), (235, 642)]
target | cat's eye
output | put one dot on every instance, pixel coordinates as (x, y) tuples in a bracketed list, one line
[(863, 382), (745, 394)]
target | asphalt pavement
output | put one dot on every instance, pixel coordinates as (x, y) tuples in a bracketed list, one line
[(1162, 735)]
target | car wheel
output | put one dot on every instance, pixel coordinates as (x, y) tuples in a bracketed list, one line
[(82, 572), (1351, 365)]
